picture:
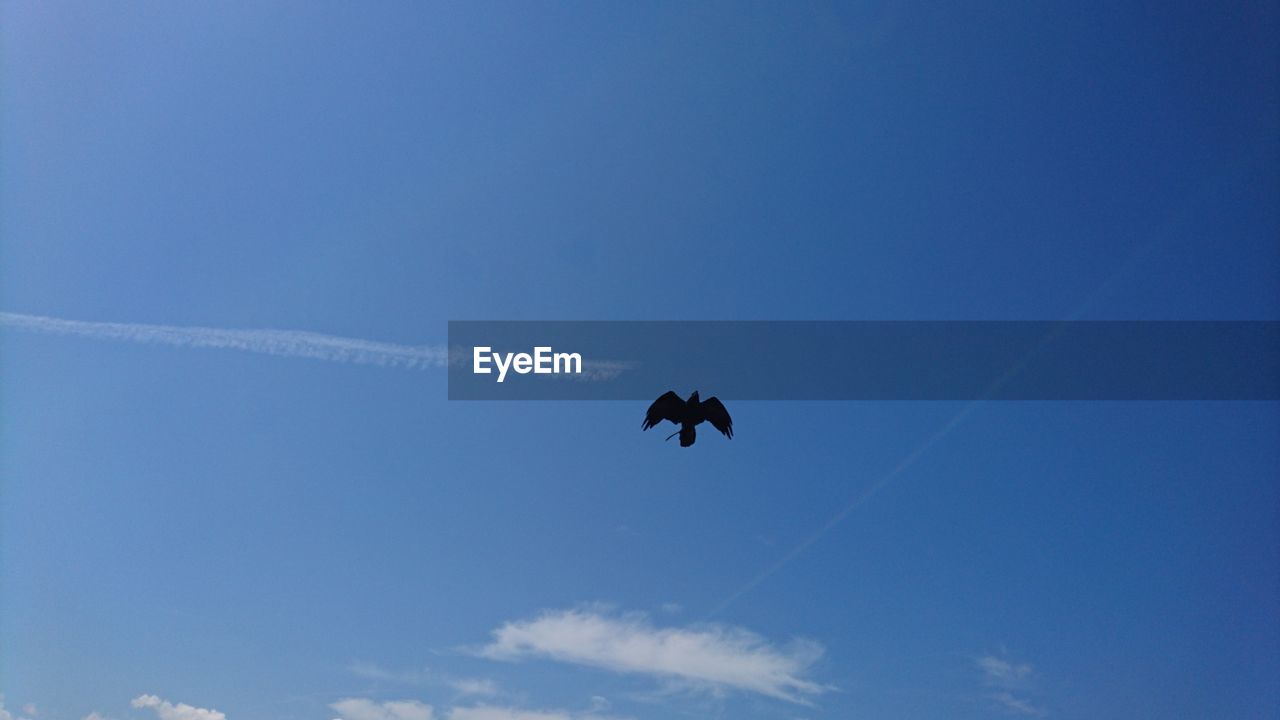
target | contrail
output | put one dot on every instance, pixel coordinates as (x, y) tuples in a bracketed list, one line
[(287, 343), (1139, 254), (854, 504), (911, 459)]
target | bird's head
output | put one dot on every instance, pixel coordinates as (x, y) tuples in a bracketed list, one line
[(694, 396)]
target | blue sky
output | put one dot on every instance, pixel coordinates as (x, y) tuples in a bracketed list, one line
[(196, 533)]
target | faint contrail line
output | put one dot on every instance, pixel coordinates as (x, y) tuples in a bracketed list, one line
[(854, 504), (858, 500), (287, 343), (897, 470)]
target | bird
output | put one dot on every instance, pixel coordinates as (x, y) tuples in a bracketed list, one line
[(687, 414)]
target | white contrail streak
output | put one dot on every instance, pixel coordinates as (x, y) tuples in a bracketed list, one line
[(288, 343), (1124, 268)]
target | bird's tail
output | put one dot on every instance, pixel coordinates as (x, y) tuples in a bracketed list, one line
[(687, 436)]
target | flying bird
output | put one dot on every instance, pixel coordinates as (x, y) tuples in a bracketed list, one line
[(687, 414)]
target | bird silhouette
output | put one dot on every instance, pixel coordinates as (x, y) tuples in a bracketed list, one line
[(687, 414)]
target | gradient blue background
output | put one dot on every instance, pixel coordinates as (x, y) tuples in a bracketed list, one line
[(235, 530)]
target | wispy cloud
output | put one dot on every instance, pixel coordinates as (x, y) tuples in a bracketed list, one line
[(492, 712), (285, 343), (1008, 681), (366, 709), (473, 686), (463, 686), (488, 712), (403, 677), (1003, 673), (290, 343), (166, 710), (710, 656), (1015, 704), (29, 709)]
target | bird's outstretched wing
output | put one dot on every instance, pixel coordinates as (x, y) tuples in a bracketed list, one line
[(668, 407), (715, 413)]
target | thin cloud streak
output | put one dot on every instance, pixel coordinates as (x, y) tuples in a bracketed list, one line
[(463, 686), (848, 509), (282, 343), (1133, 260), (1014, 704), (285, 343)]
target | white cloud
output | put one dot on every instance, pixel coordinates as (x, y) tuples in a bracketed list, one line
[(365, 709), (1003, 673), (493, 712), (166, 710), (404, 677), (1015, 704), (462, 685), (473, 686), (29, 709), (94, 716), (489, 712), (291, 343), (713, 656), (1006, 678), (286, 343)]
